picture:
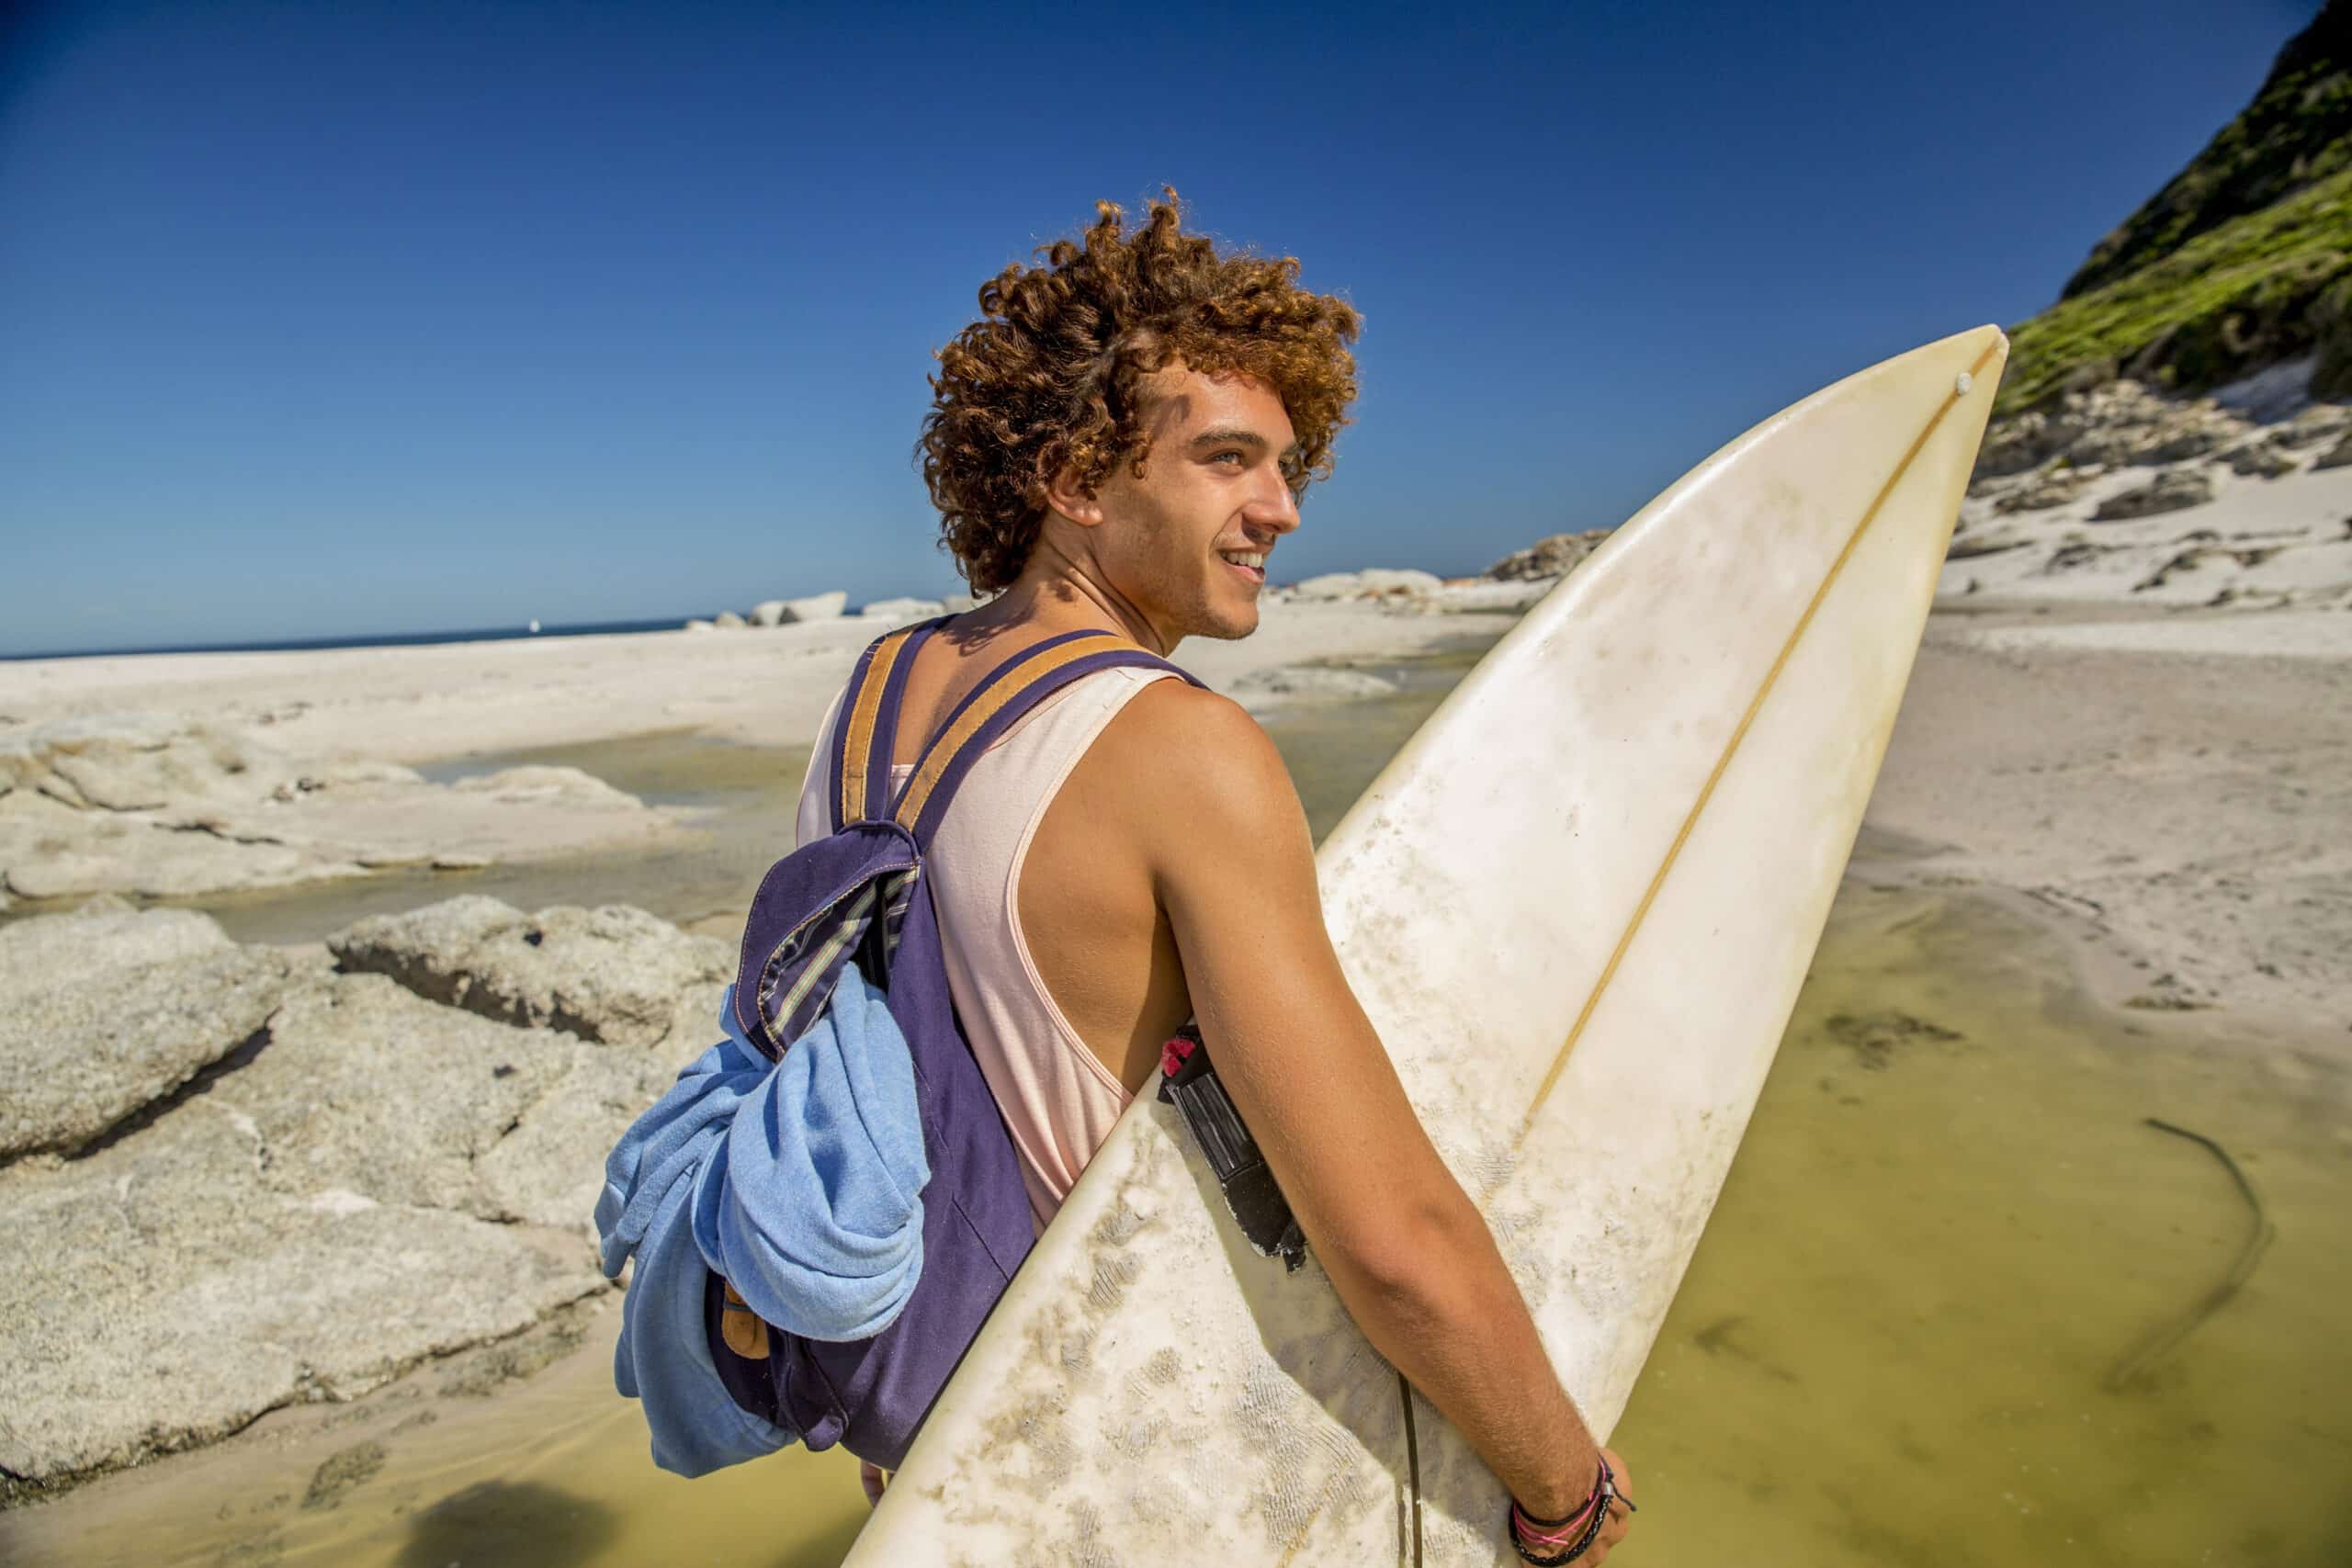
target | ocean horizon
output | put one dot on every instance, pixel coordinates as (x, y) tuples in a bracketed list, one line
[(370, 639)]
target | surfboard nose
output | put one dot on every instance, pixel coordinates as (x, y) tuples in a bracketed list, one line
[(1980, 354)]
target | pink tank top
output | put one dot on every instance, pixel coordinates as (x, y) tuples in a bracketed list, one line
[(1057, 1096)]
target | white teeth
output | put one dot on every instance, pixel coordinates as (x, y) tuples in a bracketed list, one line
[(1245, 557)]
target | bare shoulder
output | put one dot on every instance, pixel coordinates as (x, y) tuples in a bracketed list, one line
[(1176, 749)]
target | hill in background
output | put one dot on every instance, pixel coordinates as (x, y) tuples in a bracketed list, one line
[(2243, 260)]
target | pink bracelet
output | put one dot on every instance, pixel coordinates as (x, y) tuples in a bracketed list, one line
[(1535, 1535)]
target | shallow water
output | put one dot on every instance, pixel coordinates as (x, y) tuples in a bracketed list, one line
[(1949, 1231), (1928, 1322), (741, 801)]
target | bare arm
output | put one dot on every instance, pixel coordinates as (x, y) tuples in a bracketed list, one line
[(1233, 865)]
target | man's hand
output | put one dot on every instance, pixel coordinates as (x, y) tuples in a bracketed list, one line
[(1620, 1516)]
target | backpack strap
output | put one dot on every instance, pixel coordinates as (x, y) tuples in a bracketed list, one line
[(995, 706), (867, 730)]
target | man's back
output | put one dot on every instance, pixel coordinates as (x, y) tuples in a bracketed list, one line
[(1064, 975)]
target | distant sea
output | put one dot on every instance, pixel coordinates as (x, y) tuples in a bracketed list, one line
[(379, 639)]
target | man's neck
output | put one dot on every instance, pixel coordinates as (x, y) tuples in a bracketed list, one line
[(1056, 594)]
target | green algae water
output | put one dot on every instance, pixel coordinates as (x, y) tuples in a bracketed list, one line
[(1959, 1302)]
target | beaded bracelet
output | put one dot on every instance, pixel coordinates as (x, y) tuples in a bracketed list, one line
[(1604, 1492)]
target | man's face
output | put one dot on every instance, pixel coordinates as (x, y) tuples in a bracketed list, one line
[(1186, 543)]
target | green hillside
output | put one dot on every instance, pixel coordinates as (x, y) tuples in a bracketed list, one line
[(2245, 258), (2296, 133)]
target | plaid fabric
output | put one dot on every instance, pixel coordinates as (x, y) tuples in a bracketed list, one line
[(799, 978)]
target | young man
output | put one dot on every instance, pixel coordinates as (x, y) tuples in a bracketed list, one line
[(1120, 443)]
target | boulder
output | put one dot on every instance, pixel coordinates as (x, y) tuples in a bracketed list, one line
[(701, 626), (1373, 582), (108, 1010), (366, 1088), (1330, 585), (381, 1180), (2054, 488), (2197, 431), (902, 612), (1554, 556), (1386, 583), (790, 611), (1980, 544), (1477, 596), (165, 808), (2260, 458), (2073, 554), (2024, 443), (816, 607), (2320, 422), (2336, 457), (2172, 490), (159, 1294), (728, 620), (550, 1167), (50, 850), (612, 974), (132, 761), (1383, 583)]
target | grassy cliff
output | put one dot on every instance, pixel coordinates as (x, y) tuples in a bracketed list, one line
[(2242, 259)]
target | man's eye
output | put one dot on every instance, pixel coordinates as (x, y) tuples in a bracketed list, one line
[(1221, 456)]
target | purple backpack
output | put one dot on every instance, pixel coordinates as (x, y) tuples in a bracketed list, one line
[(859, 894)]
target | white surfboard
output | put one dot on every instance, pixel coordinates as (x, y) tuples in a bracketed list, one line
[(1578, 906)]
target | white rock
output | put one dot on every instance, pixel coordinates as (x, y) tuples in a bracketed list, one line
[(728, 620), (792, 612), (904, 612), (1373, 582), (1383, 582), (1473, 597), (1330, 585)]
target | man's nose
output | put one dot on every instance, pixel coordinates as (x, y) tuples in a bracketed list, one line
[(1273, 507)]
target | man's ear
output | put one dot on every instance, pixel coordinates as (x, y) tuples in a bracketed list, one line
[(1064, 497)]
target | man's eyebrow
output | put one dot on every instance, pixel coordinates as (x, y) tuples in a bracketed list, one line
[(1231, 435)]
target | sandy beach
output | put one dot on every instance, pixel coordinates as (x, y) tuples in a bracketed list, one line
[(2144, 790)]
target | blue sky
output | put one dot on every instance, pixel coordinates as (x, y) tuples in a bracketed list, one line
[(342, 318)]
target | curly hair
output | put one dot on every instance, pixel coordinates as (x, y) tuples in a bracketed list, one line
[(1051, 376)]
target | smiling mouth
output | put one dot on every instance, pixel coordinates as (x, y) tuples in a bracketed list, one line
[(1249, 564)]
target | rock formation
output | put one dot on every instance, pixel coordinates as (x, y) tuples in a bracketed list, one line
[(115, 1009), (792, 612), (1374, 583), (2172, 491), (166, 808), (611, 974), (359, 1178), (893, 613), (1554, 556)]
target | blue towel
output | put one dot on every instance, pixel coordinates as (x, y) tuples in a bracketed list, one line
[(799, 1181)]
